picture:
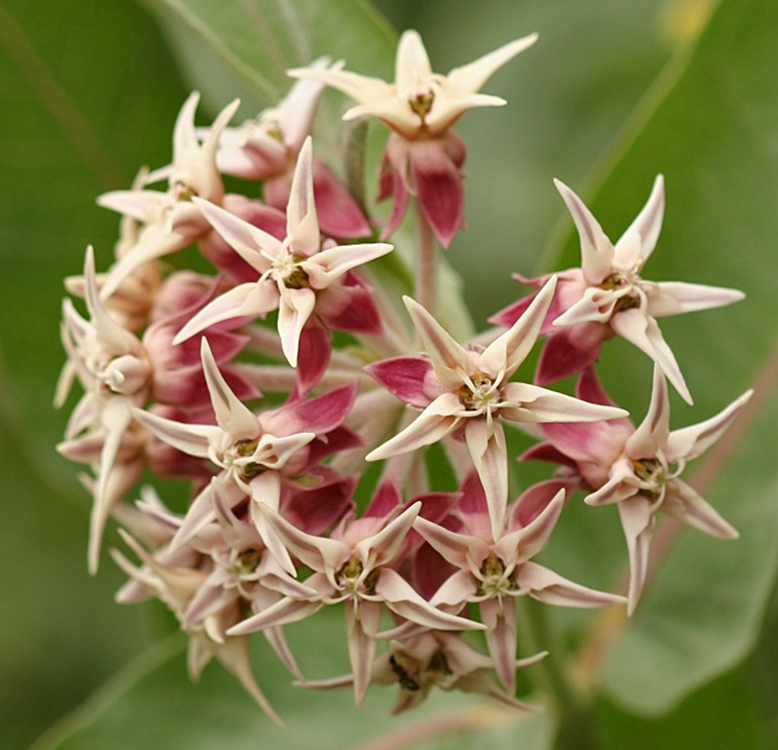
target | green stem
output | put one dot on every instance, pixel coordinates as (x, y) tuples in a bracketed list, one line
[(426, 249), (575, 729)]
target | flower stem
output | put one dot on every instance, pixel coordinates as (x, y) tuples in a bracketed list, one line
[(575, 728), (426, 249)]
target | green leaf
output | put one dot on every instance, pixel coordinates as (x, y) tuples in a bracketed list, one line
[(244, 49), (156, 688), (709, 126), (76, 122)]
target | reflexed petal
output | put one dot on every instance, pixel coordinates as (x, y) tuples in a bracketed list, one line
[(437, 181), (405, 377)]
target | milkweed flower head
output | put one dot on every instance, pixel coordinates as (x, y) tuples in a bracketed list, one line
[(344, 445)]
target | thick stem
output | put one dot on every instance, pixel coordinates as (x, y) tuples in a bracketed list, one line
[(426, 249), (575, 728)]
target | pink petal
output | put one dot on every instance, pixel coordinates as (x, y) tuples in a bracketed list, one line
[(487, 448), (643, 332), (339, 214), (449, 359), (550, 588), (506, 353), (432, 425), (690, 442), (637, 519), (686, 504), (398, 595), (569, 350), (437, 181), (596, 249), (675, 297)]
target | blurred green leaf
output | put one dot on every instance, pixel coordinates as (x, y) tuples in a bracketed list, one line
[(75, 123), (244, 49), (157, 689), (709, 126)]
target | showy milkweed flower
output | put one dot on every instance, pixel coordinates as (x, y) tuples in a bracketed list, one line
[(468, 392), (608, 295), (423, 157)]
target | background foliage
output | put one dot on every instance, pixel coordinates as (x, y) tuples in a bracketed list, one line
[(612, 94)]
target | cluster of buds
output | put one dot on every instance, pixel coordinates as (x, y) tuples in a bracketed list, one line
[(235, 384)]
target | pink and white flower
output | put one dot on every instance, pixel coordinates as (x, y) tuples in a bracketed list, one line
[(468, 393)]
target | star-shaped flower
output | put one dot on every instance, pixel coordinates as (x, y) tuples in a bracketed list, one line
[(639, 469), (292, 274), (493, 571), (612, 292), (355, 566), (419, 103), (468, 391), (171, 220)]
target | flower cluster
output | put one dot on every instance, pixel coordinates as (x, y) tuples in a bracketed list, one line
[(271, 384)]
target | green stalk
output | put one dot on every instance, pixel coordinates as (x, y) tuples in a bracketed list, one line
[(575, 723)]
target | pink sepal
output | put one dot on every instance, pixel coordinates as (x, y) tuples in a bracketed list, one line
[(406, 378)]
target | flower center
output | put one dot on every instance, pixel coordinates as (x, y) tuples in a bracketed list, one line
[(421, 103), (479, 393), (290, 272), (494, 581), (623, 287), (351, 579), (652, 472)]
